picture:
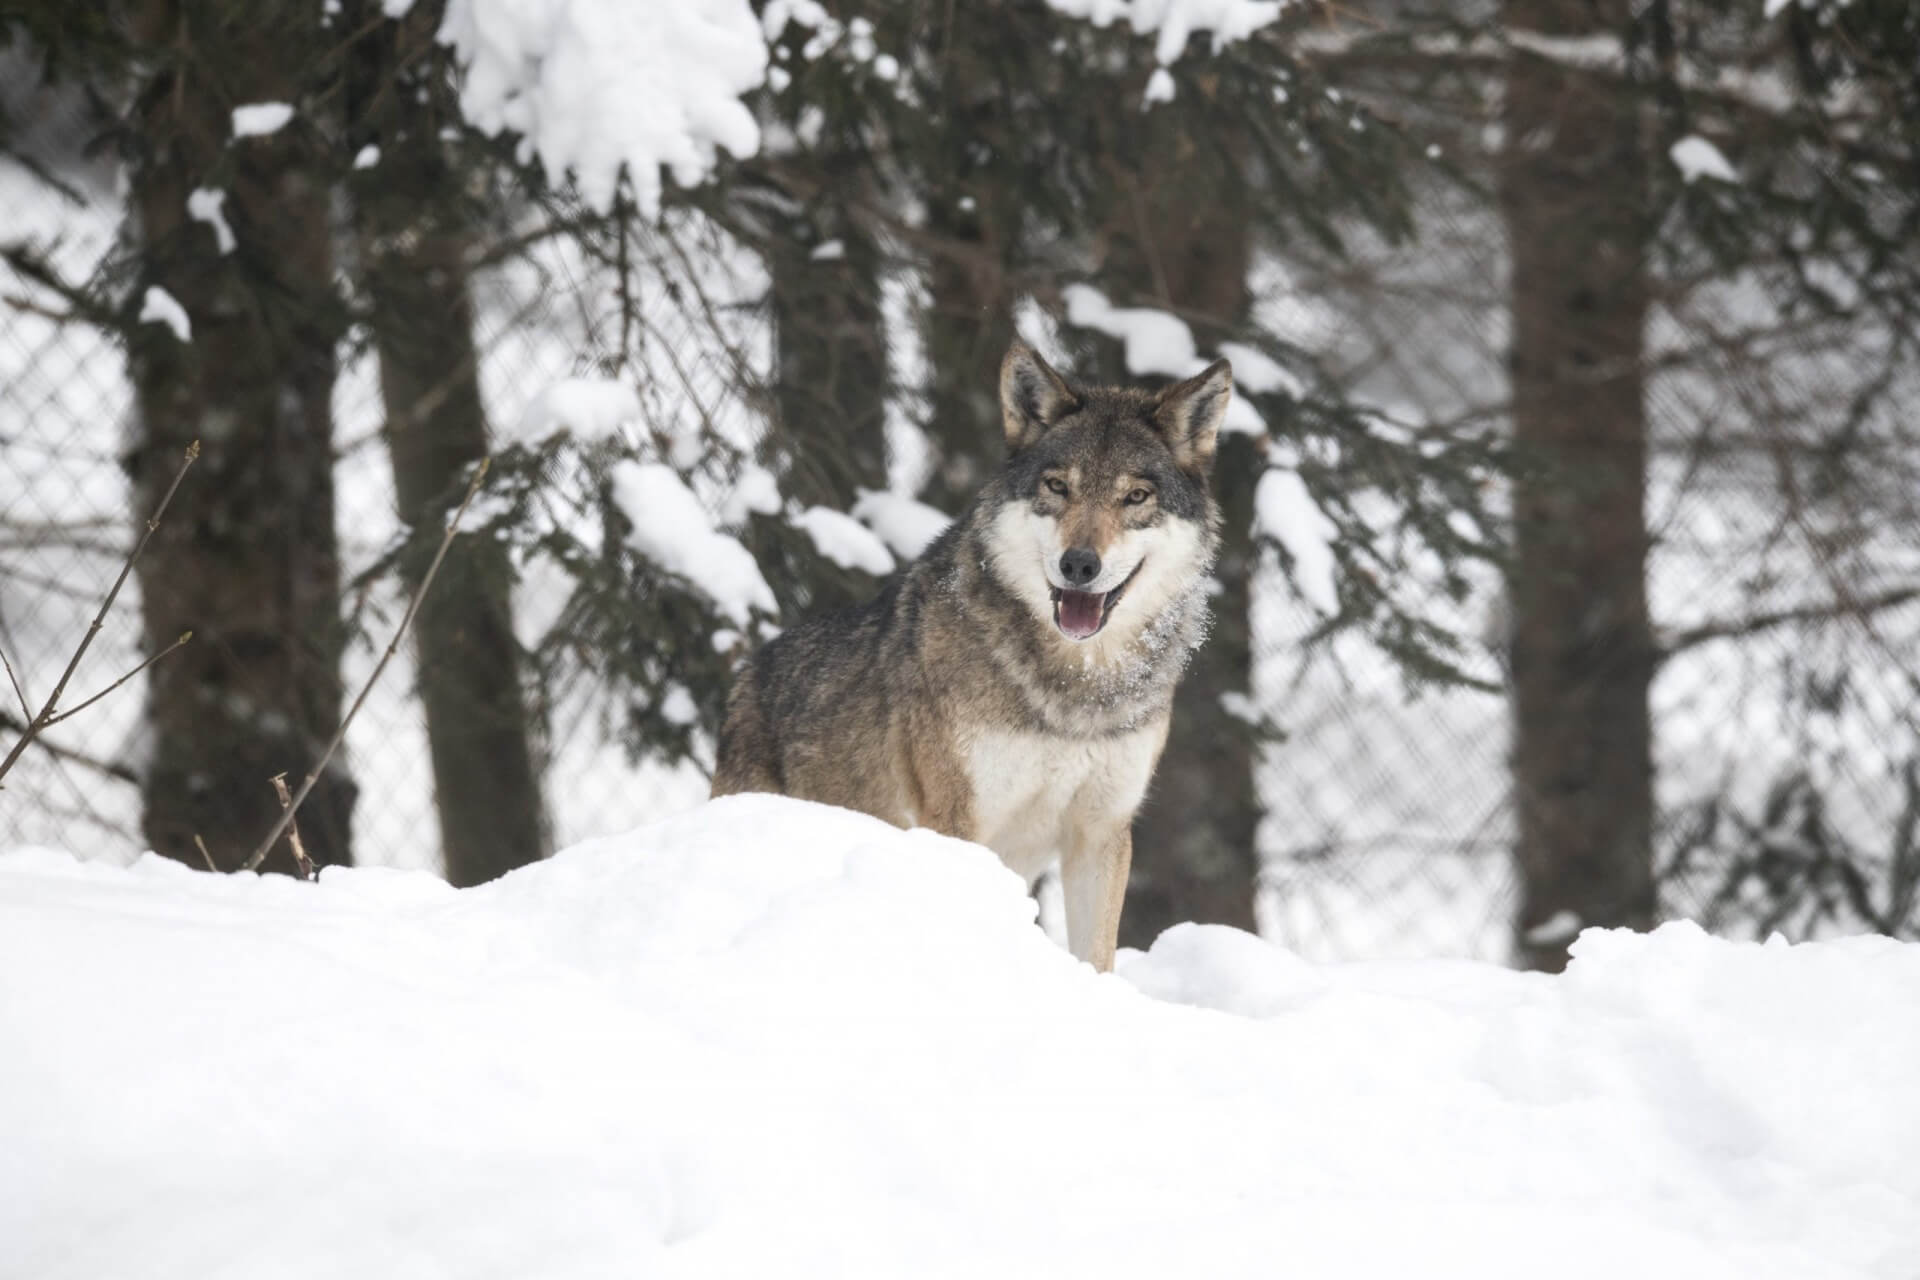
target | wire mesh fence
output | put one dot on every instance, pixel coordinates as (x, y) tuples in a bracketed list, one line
[(1786, 745)]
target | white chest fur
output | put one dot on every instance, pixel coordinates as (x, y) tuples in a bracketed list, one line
[(1033, 795)]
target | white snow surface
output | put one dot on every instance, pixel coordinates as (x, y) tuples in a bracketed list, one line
[(844, 540), (907, 525), (672, 529), (592, 87), (1283, 507), (259, 119), (1697, 158), (773, 1038), (157, 306), (1172, 21)]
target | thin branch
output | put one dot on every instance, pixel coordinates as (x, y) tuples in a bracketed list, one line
[(26, 708), (83, 305), (300, 858), (184, 637), (406, 620), (47, 716), (201, 845), (1822, 611), (110, 768)]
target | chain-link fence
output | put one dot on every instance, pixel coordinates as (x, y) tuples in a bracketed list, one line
[(66, 523), (1785, 735)]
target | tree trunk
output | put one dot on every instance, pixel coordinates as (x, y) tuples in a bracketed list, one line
[(415, 226), (973, 212), (1572, 190), (967, 328), (831, 357), (246, 556), (1194, 851), (830, 387)]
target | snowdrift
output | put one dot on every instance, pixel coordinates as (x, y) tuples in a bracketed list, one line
[(770, 1038)]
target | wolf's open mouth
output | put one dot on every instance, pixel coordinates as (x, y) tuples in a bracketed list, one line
[(1081, 614)]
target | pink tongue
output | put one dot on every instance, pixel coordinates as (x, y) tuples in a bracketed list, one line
[(1080, 613)]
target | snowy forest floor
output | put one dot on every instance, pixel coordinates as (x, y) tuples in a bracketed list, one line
[(772, 1038)]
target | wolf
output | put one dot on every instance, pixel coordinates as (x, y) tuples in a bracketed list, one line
[(1013, 686)]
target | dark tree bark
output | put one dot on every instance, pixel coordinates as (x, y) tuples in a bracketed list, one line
[(973, 220), (1194, 851), (830, 376), (246, 557), (967, 328), (416, 224), (830, 379), (1573, 193)]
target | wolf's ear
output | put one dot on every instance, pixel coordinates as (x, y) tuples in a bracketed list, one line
[(1032, 396), (1189, 415)]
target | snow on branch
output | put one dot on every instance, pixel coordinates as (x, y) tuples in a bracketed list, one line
[(672, 529), (1172, 22), (1159, 344), (1697, 158), (594, 88)]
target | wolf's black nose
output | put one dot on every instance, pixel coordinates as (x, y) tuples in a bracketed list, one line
[(1080, 566)]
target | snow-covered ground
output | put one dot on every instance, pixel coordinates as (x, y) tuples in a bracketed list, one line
[(771, 1038)]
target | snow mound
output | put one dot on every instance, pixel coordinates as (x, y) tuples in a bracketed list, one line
[(773, 1038)]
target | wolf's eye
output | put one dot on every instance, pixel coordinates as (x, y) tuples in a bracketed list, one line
[(1056, 485), (1138, 496)]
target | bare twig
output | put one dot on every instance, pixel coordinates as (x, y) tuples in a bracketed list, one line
[(184, 637), (82, 304), (47, 714), (202, 846), (406, 620), (26, 707), (110, 768), (300, 858)]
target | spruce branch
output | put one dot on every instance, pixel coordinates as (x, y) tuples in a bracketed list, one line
[(49, 713), (413, 605)]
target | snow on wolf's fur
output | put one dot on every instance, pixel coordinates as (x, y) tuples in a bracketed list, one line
[(768, 1037)]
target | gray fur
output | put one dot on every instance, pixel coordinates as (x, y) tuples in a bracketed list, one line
[(878, 707)]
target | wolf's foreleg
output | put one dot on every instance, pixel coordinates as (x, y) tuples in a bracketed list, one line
[(1093, 880)]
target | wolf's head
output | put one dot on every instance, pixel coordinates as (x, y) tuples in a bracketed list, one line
[(1105, 515)]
